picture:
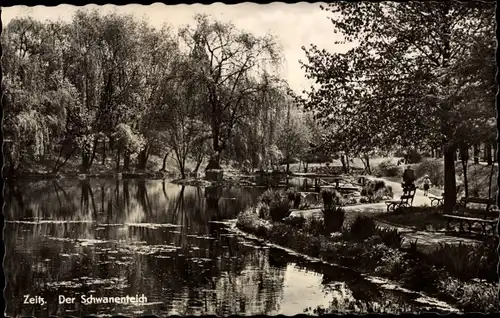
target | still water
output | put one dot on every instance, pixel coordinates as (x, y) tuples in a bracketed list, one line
[(169, 243)]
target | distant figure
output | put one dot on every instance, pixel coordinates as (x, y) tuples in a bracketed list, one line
[(408, 178), (427, 185)]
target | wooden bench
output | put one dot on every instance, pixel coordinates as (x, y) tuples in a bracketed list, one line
[(406, 200), (470, 221), (490, 204), (463, 214), (435, 200), (439, 200)]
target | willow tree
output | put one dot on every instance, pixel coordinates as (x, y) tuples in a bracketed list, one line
[(404, 80), (228, 61)]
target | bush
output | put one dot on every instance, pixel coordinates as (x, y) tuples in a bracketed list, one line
[(315, 226), (267, 196), (361, 228), (391, 237), (413, 156), (331, 198), (472, 296), (279, 205), (465, 261), (296, 221), (375, 190), (294, 197), (388, 168), (433, 168), (263, 210), (333, 219)]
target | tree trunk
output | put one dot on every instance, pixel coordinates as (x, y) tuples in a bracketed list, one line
[(94, 150), (85, 162), (490, 185), (126, 161), (495, 150), (344, 164), (103, 152), (476, 154), (142, 159), (118, 160), (164, 165), (56, 168), (366, 163), (198, 164), (464, 157), (489, 158), (450, 185)]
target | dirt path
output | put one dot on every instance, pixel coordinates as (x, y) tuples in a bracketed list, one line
[(425, 240)]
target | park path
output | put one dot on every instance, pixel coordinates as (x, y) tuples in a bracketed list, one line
[(426, 241)]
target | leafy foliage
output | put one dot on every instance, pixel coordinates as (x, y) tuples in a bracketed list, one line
[(278, 202), (110, 86), (388, 168), (360, 229), (410, 78), (390, 237)]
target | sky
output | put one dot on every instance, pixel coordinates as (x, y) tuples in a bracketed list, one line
[(294, 25)]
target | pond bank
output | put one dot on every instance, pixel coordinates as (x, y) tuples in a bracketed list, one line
[(374, 257), (94, 175)]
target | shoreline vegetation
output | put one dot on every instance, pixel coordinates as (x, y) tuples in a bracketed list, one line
[(461, 275)]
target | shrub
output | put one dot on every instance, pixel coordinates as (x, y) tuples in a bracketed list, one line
[(315, 226), (361, 228), (433, 168), (413, 156), (296, 221), (390, 237), (419, 275), (279, 205), (472, 296), (333, 219), (375, 190), (294, 197), (413, 247), (263, 210), (331, 198), (466, 261), (388, 168), (267, 196)]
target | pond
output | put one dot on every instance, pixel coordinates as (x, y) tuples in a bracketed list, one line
[(167, 242)]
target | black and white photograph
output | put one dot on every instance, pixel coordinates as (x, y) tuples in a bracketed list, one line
[(250, 159)]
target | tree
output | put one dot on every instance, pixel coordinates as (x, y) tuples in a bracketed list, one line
[(294, 137), (404, 80), (227, 62)]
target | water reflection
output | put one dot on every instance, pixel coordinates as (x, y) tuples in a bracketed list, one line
[(133, 237)]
